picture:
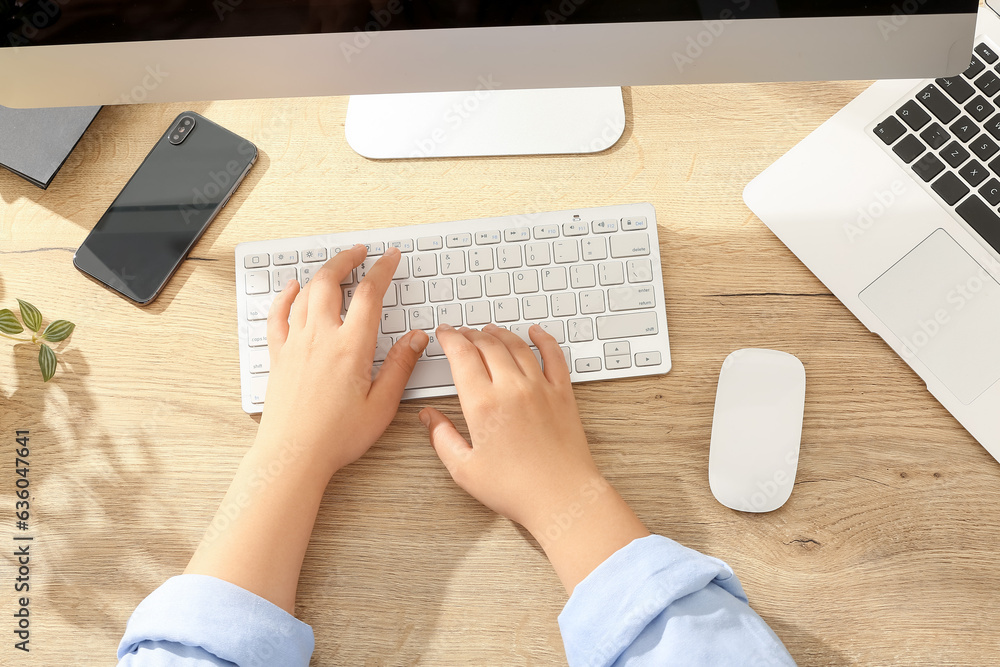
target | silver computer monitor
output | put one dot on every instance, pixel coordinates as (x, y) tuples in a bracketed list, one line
[(84, 52)]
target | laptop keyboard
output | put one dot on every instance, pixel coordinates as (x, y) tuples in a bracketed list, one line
[(590, 277), (949, 135)]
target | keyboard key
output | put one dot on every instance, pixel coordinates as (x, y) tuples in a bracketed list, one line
[(639, 222), (964, 128), (995, 165), (555, 329), (428, 373), (546, 232), (422, 317), (257, 334), (458, 240), (575, 228), (913, 115), (604, 226), (450, 314), (424, 266), (307, 274), (591, 302), (258, 282), (256, 261), (391, 298), (618, 361), (488, 238), (973, 173), (991, 191), (986, 53), (950, 188), (984, 147), (411, 292), (989, 83), (402, 269), (453, 262), (433, 348), (611, 273), (430, 243), (934, 136), (563, 304), (525, 281), (537, 254), (627, 325), (975, 67), (281, 277), (314, 255), (956, 87), (566, 251), (375, 248), (477, 313), (509, 257), (620, 347), (439, 290), (580, 329), (909, 148), (505, 310), (258, 387), (393, 321), (554, 278), (888, 131), (928, 166), (643, 359), (639, 270), (588, 364), (631, 244), (583, 275), (257, 308), (481, 259), (260, 360), (470, 287), (382, 346), (497, 284), (515, 234), (993, 126), (982, 219), (936, 102), (594, 248), (534, 307), (285, 258), (955, 154), (979, 108), (630, 298)]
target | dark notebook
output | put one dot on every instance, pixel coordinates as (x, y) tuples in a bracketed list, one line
[(34, 143)]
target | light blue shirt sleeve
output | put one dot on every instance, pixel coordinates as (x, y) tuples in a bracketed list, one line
[(194, 620), (655, 602)]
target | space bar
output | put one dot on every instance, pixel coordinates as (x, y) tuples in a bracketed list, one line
[(982, 219), (431, 373)]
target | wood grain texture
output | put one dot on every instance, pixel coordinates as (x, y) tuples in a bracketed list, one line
[(885, 553)]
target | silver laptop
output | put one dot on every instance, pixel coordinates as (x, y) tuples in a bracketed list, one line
[(894, 203)]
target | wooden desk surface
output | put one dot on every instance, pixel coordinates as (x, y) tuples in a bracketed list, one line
[(885, 553)]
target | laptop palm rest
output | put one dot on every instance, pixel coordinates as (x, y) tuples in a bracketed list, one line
[(945, 308)]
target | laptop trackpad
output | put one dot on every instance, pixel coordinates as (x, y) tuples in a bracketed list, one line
[(945, 308)]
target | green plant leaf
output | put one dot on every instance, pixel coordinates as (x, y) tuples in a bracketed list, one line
[(9, 323), (47, 362), (58, 330), (32, 318)]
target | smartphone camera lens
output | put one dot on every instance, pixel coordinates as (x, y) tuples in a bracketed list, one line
[(183, 128)]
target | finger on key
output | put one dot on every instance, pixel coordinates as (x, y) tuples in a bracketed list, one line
[(556, 369), (366, 306), (277, 318), (468, 369), (326, 295), (518, 349), (499, 362)]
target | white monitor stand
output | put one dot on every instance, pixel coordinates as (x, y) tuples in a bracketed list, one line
[(485, 122)]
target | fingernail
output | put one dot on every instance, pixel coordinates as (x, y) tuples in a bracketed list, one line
[(444, 326), (425, 418), (418, 341)]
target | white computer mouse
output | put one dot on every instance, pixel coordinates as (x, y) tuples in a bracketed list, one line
[(757, 429)]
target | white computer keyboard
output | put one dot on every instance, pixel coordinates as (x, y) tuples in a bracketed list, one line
[(590, 277)]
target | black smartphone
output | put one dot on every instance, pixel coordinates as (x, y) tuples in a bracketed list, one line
[(165, 207)]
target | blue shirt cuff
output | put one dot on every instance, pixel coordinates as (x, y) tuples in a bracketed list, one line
[(634, 586), (227, 622)]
